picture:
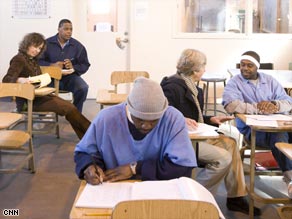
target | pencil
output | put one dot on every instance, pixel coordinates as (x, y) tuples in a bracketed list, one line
[(97, 214)]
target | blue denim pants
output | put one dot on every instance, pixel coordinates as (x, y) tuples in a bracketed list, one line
[(75, 84)]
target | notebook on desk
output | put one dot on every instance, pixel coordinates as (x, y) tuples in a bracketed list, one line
[(107, 195)]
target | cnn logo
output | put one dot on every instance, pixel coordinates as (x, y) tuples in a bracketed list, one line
[(11, 212)]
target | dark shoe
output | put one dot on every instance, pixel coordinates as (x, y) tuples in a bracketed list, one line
[(241, 204)]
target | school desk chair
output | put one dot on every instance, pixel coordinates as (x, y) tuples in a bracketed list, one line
[(17, 142)]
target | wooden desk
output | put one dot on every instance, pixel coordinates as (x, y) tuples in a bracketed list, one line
[(286, 148), (105, 97), (105, 213), (88, 213), (253, 195)]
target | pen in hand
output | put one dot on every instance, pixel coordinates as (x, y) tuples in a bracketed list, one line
[(96, 170)]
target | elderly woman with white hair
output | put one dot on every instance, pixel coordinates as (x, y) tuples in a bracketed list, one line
[(221, 155)]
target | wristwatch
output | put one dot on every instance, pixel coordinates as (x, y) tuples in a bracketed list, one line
[(133, 167)]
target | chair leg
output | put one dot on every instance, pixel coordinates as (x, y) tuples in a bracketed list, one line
[(57, 127), (241, 152), (31, 164)]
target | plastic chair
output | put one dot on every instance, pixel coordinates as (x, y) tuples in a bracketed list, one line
[(18, 141), (112, 97), (165, 209)]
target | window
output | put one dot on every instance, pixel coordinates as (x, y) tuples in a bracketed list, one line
[(101, 16), (272, 16), (243, 17)]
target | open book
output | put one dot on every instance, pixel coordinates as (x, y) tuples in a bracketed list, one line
[(107, 195), (40, 81)]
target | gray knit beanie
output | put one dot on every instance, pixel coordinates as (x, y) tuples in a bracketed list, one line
[(146, 100)]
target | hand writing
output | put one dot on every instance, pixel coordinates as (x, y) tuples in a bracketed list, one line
[(94, 175)]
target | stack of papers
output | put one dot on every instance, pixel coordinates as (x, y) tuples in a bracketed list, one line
[(266, 120)]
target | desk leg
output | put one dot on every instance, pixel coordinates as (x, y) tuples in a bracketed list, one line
[(215, 100), (252, 174)]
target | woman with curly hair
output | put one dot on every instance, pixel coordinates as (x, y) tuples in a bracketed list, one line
[(24, 65)]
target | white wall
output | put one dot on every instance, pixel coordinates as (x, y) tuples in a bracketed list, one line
[(153, 47)]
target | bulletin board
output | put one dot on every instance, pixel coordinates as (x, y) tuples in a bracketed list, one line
[(31, 9)]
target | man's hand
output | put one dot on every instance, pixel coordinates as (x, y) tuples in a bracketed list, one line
[(94, 175), (220, 119), (191, 124), (68, 64), (118, 173), (267, 107)]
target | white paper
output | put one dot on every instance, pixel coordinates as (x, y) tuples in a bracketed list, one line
[(105, 195), (272, 117), (142, 191), (205, 130), (266, 120), (265, 123)]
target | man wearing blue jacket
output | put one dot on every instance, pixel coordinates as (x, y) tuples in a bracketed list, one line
[(70, 55), (142, 138)]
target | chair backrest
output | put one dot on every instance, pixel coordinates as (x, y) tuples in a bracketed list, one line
[(55, 73), (165, 209), (123, 77), (20, 90), (267, 65)]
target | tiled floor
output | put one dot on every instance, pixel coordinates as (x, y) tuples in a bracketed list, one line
[(49, 193)]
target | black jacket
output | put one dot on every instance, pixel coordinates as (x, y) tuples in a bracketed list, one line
[(180, 97)]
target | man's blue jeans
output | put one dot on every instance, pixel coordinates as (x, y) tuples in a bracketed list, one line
[(75, 84)]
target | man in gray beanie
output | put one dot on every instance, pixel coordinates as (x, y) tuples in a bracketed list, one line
[(254, 92), (144, 105), (142, 138)]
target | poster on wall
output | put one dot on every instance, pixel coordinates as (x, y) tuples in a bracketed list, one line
[(32, 9)]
